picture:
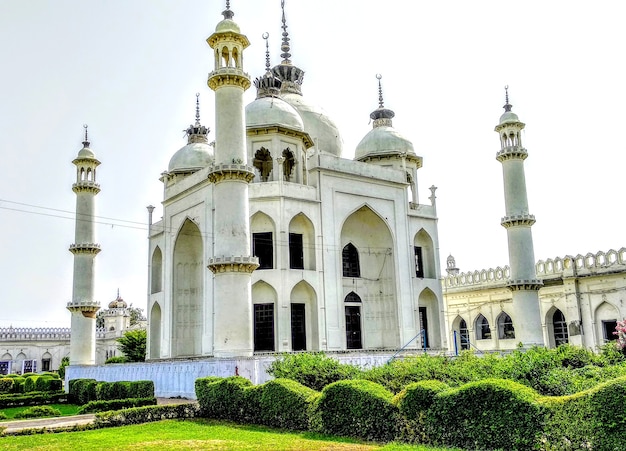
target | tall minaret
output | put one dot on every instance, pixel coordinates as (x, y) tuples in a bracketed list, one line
[(232, 262), (83, 306), (523, 280)]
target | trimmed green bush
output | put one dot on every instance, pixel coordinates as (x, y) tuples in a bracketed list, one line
[(141, 389), (285, 404), (313, 370), (82, 391), (593, 419), (38, 412), (222, 399), (489, 414), (116, 359), (418, 397), (32, 398), (145, 414), (6, 385), (355, 408), (116, 404)]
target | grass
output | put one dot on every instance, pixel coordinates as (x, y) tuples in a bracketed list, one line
[(195, 435), (66, 410)]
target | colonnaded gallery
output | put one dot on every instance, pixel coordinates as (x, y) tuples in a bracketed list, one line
[(270, 241)]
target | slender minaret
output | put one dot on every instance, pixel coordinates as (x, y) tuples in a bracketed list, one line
[(83, 306), (232, 263), (523, 280)]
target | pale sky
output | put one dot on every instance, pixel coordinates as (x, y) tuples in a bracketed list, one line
[(130, 69)]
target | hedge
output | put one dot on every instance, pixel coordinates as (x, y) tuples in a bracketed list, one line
[(83, 391), (145, 414), (116, 404), (418, 397), (6, 385), (222, 398), (285, 404), (355, 408), (488, 414), (593, 419), (32, 398)]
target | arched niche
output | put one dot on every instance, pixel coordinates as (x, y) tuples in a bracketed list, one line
[(424, 255), (304, 318), (156, 271), (188, 291), (301, 243), (370, 235), (506, 330), (557, 327), (606, 317), (264, 300), (428, 319), (155, 331), (461, 333), (482, 328)]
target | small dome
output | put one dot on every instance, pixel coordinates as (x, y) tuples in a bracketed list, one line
[(317, 124), (192, 157), (508, 117), (118, 303), (383, 140), (86, 152), (227, 25), (273, 111)]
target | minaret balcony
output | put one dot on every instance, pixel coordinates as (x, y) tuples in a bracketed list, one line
[(524, 220), (85, 248), (235, 171), (88, 308), (86, 186), (512, 153), (228, 76), (222, 264), (524, 284)]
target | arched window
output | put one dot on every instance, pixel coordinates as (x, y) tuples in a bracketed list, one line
[(505, 327), (559, 324), (288, 164), (352, 297), (464, 335), (263, 163), (350, 258), (483, 331)]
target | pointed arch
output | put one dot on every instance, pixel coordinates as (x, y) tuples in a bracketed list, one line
[(156, 271), (482, 328), (263, 162), (188, 291), (304, 318), (424, 254), (262, 228), (505, 326), (428, 318), (264, 299), (352, 297), (155, 331), (557, 327), (301, 243), (606, 316), (459, 325)]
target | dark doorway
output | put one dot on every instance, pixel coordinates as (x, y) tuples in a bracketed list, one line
[(263, 248), (560, 328), (298, 328), (424, 326), (264, 327), (296, 251), (353, 327), (464, 335)]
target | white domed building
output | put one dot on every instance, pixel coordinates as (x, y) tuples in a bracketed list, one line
[(273, 242)]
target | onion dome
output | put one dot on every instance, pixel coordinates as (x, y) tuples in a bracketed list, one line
[(197, 154), (228, 24), (118, 302), (316, 121), (383, 139), (508, 116)]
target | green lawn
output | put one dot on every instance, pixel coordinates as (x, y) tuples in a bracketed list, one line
[(66, 409), (193, 435)]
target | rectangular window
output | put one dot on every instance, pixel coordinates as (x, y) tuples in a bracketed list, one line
[(296, 251), (608, 329), (45, 364), (263, 248), (5, 366), (419, 262), (298, 327), (263, 327)]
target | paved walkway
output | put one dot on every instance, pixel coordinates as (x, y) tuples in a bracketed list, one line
[(75, 420)]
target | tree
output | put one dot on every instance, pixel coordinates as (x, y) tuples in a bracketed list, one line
[(65, 361), (133, 345)]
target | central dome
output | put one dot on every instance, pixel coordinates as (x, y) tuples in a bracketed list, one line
[(381, 141), (192, 157)]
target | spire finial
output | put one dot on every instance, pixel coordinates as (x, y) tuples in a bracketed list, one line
[(381, 104), (265, 36), (86, 141), (507, 106), (197, 108), (227, 13), (285, 46)]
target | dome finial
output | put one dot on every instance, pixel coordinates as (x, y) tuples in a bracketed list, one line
[(197, 108), (227, 13), (86, 141), (285, 46), (381, 104), (507, 106), (265, 36)]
